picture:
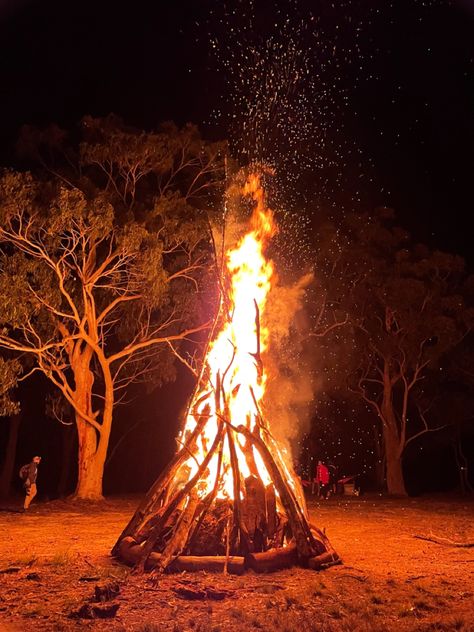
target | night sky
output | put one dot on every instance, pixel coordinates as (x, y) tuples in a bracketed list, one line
[(389, 119), (383, 115)]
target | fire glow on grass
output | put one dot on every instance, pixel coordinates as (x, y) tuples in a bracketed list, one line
[(233, 359)]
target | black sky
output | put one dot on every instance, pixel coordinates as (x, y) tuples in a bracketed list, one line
[(410, 99)]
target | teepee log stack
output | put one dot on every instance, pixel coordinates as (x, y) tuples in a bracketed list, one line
[(229, 499)]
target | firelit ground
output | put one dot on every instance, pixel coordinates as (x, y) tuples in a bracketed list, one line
[(52, 559)]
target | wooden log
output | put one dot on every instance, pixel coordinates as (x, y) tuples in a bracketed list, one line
[(323, 561), (210, 563), (306, 543), (130, 552), (239, 530), (270, 507), (322, 537), (179, 538), (273, 559), (210, 538), (247, 449), (253, 508), (206, 504), (182, 493), (282, 530), (151, 500)]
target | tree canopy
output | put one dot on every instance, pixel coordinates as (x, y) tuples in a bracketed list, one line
[(105, 262), (405, 308)]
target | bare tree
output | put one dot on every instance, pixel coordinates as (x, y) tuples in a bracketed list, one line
[(405, 310)]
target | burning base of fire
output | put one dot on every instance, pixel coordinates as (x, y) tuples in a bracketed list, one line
[(229, 500)]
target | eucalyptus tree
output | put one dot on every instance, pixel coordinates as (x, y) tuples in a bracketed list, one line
[(405, 309), (103, 267)]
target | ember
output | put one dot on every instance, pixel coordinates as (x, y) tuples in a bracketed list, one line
[(229, 499)]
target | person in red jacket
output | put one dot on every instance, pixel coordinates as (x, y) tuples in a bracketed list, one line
[(322, 480)]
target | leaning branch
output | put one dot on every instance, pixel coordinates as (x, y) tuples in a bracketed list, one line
[(155, 341)]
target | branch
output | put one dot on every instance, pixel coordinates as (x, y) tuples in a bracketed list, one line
[(425, 430), (321, 334), (154, 341), (114, 303), (182, 359), (445, 541)]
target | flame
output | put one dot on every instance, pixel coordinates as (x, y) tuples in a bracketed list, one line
[(234, 356)]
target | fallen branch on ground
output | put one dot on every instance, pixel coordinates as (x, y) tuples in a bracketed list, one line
[(359, 578), (444, 541)]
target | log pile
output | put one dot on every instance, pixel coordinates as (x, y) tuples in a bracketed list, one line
[(229, 499), (183, 524)]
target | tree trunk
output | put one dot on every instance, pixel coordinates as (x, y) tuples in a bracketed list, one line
[(90, 463), (392, 439), (91, 456), (67, 450), (380, 462), (395, 481), (10, 453)]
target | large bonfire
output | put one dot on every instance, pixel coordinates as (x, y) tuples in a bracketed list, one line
[(230, 499)]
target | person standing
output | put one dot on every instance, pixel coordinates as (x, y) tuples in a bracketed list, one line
[(29, 473), (332, 478), (322, 480)]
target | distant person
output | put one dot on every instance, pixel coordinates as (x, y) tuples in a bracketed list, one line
[(332, 477), (29, 474), (322, 480)]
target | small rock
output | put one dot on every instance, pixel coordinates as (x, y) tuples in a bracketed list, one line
[(33, 577), (90, 611), (269, 589), (190, 593), (107, 591), (218, 595)]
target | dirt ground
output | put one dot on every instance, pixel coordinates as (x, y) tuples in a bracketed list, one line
[(52, 558)]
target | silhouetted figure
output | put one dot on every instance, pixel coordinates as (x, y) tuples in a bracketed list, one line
[(29, 474), (332, 477)]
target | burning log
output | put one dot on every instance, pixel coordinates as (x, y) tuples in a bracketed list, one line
[(229, 499), (271, 510), (254, 512), (130, 552)]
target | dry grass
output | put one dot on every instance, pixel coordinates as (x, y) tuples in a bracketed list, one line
[(390, 580)]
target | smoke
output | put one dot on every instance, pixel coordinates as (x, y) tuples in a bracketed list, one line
[(291, 387)]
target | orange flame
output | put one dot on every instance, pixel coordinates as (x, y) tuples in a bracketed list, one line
[(233, 359)]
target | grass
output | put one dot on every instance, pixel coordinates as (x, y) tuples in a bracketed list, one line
[(61, 558), (390, 581)]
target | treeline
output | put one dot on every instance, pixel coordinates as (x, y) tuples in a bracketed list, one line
[(107, 277)]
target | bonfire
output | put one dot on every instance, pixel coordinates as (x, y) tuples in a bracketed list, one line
[(229, 499)]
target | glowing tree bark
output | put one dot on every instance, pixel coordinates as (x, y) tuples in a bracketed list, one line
[(229, 499)]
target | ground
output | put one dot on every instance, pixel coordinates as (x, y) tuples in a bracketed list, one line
[(52, 558)]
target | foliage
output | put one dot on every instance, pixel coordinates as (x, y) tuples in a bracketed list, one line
[(103, 263), (406, 309), (9, 373)]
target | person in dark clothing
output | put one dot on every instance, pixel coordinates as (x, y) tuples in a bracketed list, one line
[(30, 480), (332, 477)]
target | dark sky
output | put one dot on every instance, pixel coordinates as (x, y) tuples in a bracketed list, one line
[(408, 84)]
